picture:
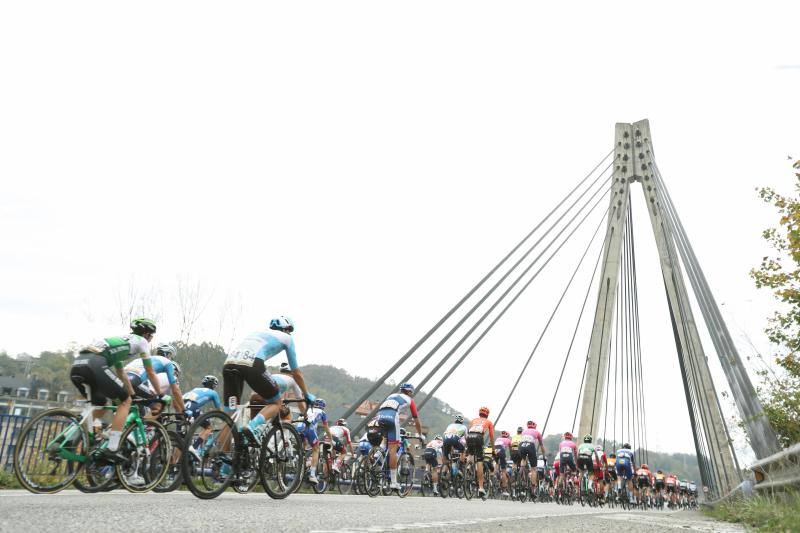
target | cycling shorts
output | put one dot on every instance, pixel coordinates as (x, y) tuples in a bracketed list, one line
[(643, 482), (611, 474), (338, 445), (389, 422), (528, 450), (585, 463), (452, 442), (192, 410), (566, 462), (308, 432), (140, 390), (475, 444), (625, 471), (432, 457), (235, 376), (92, 370), (515, 456), (659, 484), (500, 451)]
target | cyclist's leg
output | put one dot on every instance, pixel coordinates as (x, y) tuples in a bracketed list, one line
[(108, 384), (262, 383)]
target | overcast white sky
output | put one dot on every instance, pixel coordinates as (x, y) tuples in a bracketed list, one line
[(358, 166)]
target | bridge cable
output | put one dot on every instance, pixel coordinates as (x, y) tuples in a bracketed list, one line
[(510, 303), (552, 315), (572, 340), (381, 380)]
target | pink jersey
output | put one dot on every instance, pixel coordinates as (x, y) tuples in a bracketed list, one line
[(503, 442), (568, 446), (531, 435)]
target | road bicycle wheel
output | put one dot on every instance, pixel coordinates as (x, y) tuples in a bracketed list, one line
[(444, 481), (522, 484), (96, 477), (50, 451), (345, 478), (282, 462), (373, 472), (174, 478), (149, 459), (426, 484), (405, 474), (246, 474), (360, 476), (323, 475), (470, 485), (207, 467)]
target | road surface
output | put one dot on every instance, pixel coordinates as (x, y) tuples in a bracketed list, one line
[(119, 511)]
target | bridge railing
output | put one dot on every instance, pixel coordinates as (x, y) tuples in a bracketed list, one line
[(10, 426), (779, 471)]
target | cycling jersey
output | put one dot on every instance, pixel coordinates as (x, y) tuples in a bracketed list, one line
[(341, 433), (567, 451), (389, 414), (116, 350), (455, 430), (586, 449), (515, 440), (530, 435), (671, 480), (263, 345), (285, 384), (481, 425), (502, 442), (480, 429), (625, 463), (454, 438), (308, 430), (201, 396), (160, 364), (433, 452)]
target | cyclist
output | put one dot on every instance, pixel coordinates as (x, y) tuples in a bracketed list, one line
[(501, 447), (92, 369), (479, 429), (599, 465), (389, 422), (245, 364), (341, 436), (611, 472), (541, 467), (659, 479), (454, 438), (530, 441), (625, 468), (644, 481), (316, 415), (692, 489), (588, 457), (671, 485), (166, 371), (567, 451), (193, 402), (433, 458)]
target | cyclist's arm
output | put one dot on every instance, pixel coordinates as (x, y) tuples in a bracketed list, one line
[(297, 374), (177, 397), (151, 376), (541, 445), (414, 413)]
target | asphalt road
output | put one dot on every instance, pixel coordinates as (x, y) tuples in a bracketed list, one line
[(180, 511)]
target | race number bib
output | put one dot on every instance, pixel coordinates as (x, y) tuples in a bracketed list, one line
[(566, 449), (476, 428), (390, 404), (245, 353)]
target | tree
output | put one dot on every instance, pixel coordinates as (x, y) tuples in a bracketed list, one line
[(781, 273)]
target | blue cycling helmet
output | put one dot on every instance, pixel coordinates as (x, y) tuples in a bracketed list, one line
[(282, 323), (407, 387), (320, 403)]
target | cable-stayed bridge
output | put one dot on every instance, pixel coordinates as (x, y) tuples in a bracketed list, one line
[(610, 400)]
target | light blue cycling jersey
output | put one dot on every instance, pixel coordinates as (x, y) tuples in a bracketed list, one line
[(263, 345), (161, 365), (201, 396), (287, 384), (624, 457)]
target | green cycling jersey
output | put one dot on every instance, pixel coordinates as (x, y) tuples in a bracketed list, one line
[(116, 350)]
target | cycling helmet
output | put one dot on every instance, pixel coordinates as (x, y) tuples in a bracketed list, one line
[(320, 403), (459, 419), (626, 446), (437, 437), (484, 412), (167, 350), (568, 435), (408, 388), (541, 457), (598, 448), (645, 466), (341, 422), (531, 424), (519, 429), (282, 323), (587, 438), (285, 368), (210, 382), (504, 434), (142, 326)]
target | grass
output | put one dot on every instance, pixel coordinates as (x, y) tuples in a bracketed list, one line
[(781, 513), (8, 480)]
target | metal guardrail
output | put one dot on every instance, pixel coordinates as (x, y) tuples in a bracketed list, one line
[(10, 426), (778, 471)]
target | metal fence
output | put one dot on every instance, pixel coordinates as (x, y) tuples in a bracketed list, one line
[(779, 471), (10, 426)]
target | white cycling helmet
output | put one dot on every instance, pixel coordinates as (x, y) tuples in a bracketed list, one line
[(282, 323)]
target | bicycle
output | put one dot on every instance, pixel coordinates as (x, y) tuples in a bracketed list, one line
[(56, 445), (376, 470), (226, 459), (177, 436)]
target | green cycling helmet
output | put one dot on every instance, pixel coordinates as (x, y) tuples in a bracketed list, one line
[(143, 325)]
